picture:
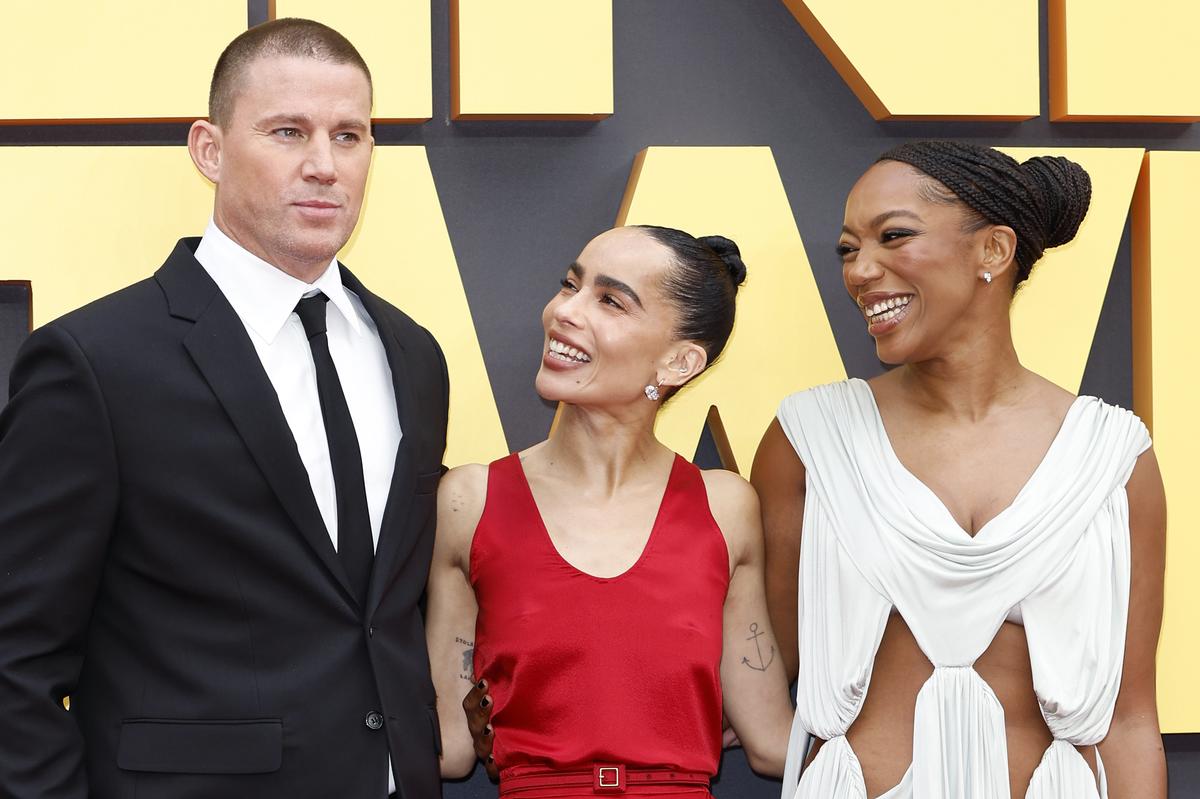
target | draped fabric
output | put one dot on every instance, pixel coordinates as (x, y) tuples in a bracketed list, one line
[(877, 538)]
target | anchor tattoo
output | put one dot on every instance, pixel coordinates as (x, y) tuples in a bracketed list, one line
[(763, 665)]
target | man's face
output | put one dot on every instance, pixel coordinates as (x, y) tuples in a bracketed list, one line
[(294, 157)]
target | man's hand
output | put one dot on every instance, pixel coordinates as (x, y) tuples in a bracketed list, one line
[(477, 706)]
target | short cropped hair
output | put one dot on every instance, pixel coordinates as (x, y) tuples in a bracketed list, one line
[(290, 36)]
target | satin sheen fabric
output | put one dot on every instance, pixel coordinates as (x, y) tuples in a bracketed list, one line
[(588, 670), (875, 537)]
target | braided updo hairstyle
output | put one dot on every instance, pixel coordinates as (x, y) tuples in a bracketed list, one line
[(1044, 199), (702, 284)]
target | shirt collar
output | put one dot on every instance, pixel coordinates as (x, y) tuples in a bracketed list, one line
[(262, 295)]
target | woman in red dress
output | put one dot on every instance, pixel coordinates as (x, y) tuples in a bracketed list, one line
[(600, 558)]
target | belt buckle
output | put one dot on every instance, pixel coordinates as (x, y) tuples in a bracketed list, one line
[(608, 778)]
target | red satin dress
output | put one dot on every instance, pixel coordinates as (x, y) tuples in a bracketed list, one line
[(608, 679)]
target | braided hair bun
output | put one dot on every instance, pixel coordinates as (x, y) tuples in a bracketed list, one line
[(729, 254), (1043, 200), (1066, 191)]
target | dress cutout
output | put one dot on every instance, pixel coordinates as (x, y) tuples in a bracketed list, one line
[(875, 537), (586, 670)]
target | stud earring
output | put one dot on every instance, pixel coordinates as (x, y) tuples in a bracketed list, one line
[(652, 393), (987, 277)]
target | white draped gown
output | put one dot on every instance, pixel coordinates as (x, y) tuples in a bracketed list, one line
[(877, 539)]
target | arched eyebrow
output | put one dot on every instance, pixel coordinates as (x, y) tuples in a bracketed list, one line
[(886, 215), (608, 282)]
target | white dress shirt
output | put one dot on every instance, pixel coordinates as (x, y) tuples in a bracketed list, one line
[(265, 299)]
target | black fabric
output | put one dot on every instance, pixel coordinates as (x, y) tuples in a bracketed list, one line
[(165, 565), (253, 746), (354, 543)]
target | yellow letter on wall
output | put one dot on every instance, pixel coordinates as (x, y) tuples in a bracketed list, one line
[(402, 252), (531, 59), (931, 59), (134, 59), (1054, 316), (1116, 60), (1165, 390), (393, 37), (781, 341)]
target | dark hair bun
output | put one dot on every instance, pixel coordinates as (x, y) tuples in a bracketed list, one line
[(729, 253), (1065, 191)]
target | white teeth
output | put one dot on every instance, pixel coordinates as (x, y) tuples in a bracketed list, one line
[(886, 309), (567, 352)]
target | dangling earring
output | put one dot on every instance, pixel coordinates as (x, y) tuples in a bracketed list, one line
[(987, 277), (652, 393)]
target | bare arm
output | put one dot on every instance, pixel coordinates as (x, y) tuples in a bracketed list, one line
[(778, 477), (450, 617), (752, 673), (1133, 752)]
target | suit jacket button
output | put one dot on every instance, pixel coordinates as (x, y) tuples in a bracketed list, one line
[(374, 720)]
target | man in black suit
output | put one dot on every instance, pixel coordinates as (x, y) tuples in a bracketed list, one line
[(217, 485)]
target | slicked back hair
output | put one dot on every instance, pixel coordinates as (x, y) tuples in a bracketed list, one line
[(1044, 199), (290, 36)]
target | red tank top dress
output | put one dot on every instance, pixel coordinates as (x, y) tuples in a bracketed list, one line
[(587, 671)]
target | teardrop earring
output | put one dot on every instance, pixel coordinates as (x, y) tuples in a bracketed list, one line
[(652, 393), (987, 277)]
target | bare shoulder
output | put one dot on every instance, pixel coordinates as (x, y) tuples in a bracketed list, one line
[(1147, 497), (462, 493), (729, 488), (776, 461), (734, 505), (1048, 398)]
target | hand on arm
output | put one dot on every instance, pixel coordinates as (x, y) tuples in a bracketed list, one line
[(450, 617), (778, 477), (753, 680), (477, 706), (1134, 762)]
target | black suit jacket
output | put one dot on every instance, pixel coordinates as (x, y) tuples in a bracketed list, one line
[(163, 563)]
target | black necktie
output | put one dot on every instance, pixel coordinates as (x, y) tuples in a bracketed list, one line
[(355, 544)]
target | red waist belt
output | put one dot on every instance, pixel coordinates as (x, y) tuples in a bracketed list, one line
[(604, 778)]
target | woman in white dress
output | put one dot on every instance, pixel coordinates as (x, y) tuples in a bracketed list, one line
[(977, 593)]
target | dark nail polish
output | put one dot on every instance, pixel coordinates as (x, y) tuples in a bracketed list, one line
[(485, 702), (479, 685), (487, 730), (491, 759)]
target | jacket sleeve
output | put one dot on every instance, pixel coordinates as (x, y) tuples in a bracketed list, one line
[(445, 381), (58, 499)]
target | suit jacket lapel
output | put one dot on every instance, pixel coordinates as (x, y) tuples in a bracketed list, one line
[(224, 354), (392, 541)]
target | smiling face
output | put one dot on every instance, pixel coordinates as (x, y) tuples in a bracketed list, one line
[(609, 330), (293, 161), (911, 265)]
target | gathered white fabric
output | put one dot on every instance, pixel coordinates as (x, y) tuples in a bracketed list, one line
[(875, 537)]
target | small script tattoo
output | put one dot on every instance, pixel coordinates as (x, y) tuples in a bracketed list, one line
[(763, 663), (468, 659)]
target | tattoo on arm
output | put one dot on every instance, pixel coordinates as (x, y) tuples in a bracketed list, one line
[(759, 662), (468, 659)]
